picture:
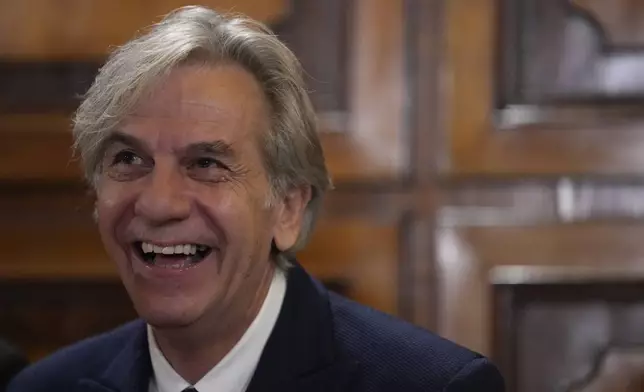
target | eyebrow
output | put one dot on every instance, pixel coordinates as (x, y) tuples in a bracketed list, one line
[(120, 137), (217, 147)]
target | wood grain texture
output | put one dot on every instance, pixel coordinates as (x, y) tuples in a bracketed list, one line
[(562, 52), (32, 29), (619, 369), (367, 258), (571, 333), (467, 258), (620, 21), (601, 140), (377, 93)]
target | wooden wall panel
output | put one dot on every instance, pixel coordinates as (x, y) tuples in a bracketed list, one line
[(561, 52), (467, 258), (534, 112), (511, 108), (620, 21), (356, 79), (574, 333), (555, 236), (46, 29), (362, 254)]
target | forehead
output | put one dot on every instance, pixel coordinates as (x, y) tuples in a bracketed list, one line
[(195, 102)]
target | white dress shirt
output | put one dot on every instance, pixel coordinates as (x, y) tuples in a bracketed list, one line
[(234, 372)]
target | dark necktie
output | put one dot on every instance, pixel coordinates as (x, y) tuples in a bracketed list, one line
[(190, 389)]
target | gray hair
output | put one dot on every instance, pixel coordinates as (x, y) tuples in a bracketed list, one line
[(291, 149)]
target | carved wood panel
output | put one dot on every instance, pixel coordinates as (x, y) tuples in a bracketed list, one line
[(542, 87), (619, 21), (580, 335), (619, 369), (558, 51)]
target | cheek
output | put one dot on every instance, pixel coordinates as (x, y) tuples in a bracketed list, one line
[(242, 218), (111, 203)]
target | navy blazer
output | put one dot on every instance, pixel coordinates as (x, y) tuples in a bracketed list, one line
[(321, 342)]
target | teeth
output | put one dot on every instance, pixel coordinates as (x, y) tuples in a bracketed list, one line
[(179, 265), (187, 249)]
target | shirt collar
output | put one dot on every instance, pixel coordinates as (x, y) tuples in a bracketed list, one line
[(234, 372)]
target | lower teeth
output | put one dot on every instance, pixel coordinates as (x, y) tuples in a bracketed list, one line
[(177, 265)]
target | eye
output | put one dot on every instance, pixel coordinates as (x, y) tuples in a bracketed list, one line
[(207, 169), (127, 158), (127, 165), (205, 163)]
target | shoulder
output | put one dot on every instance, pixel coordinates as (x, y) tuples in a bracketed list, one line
[(396, 355), (88, 358)]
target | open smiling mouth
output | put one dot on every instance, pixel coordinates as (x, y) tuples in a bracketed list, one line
[(174, 257)]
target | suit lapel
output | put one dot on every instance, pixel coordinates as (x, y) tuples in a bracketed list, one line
[(129, 371), (301, 354)]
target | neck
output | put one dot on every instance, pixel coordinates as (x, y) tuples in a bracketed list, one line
[(194, 350)]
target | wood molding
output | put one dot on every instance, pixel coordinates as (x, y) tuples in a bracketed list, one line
[(467, 258), (616, 369), (478, 142), (578, 332), (32, 29), (618, 22)]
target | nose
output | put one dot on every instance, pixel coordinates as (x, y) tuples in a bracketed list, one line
[(163, 197)]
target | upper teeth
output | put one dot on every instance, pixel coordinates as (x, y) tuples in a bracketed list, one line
[(186, 249)]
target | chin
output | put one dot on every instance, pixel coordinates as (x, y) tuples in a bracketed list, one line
[(168, 316), (168, 306)]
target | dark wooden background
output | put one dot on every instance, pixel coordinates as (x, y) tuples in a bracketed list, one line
[(488, 157)]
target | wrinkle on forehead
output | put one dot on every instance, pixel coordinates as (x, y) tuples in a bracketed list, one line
[(206, 92), (190, 111), (195, 101), (222, 96)]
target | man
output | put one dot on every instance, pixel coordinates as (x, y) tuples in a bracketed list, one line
[(201, 144)]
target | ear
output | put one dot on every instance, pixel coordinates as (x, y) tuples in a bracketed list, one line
[(290, 213)]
